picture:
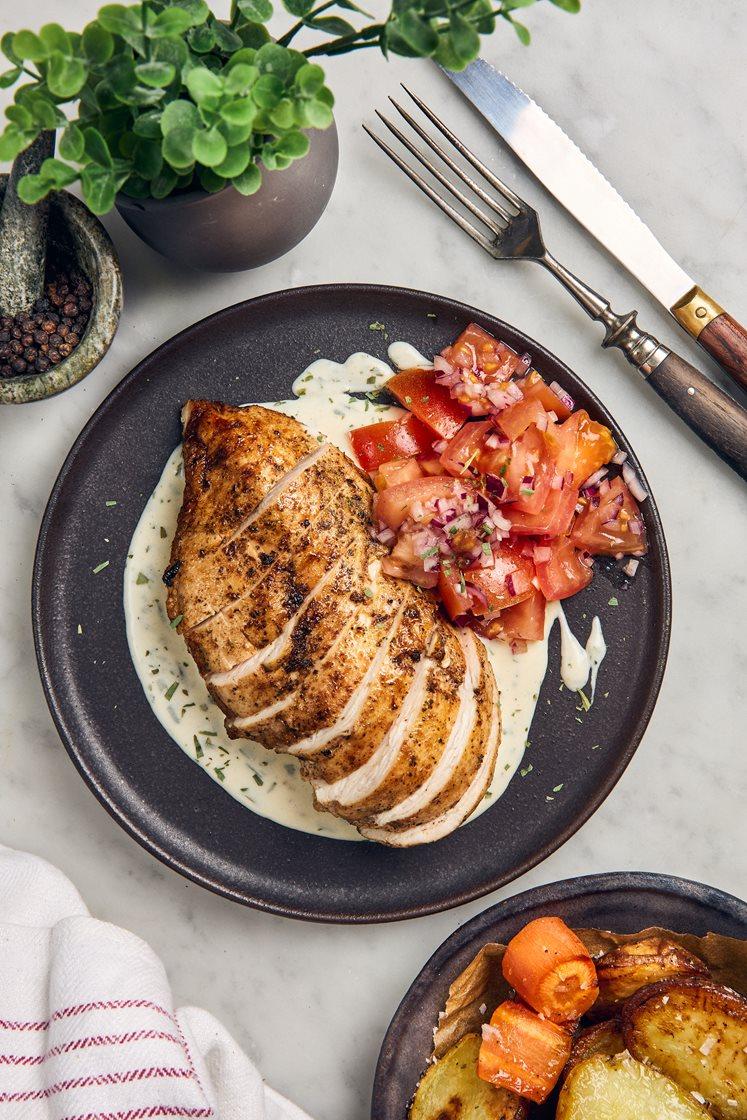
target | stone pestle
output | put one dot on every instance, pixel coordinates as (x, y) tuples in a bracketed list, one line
[(23, 234)]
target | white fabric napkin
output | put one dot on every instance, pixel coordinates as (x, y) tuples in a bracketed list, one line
[(88, 1029)]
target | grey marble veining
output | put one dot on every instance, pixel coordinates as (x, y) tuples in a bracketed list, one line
[(654, 93)]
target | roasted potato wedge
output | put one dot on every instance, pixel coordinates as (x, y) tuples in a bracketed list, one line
[(451, 1090), (625, 970), (603, 1038), (695, 1032), (621, 1088)]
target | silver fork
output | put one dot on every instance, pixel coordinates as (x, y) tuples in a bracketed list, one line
[(508, 228)]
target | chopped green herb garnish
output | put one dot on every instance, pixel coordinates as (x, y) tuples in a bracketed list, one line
[(142, 578), (486, 548), (80, 628), (526, 770), (258, 779), (613, 602), (164, 534), (110, 503), (367, 591), (199, 752), (171, 690), (175, 621), (585, 701), (430, 314), (220, 773), (377, 326), (100, 567), (557, 789)]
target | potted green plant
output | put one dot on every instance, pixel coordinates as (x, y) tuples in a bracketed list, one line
[(214, 141)]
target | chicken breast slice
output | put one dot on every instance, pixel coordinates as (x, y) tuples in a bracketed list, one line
[(256, 618)]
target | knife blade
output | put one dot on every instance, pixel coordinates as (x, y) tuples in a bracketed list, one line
[(574, 180)]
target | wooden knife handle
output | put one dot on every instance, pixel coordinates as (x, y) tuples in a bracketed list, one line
[(710, 413), (726, 341), (723, 337)]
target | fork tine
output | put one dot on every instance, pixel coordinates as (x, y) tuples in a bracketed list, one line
[(467, 179), (434, 196), (468, 155), (465, 201)]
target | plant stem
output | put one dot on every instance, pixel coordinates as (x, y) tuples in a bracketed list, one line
[(348, 42), (284, 40)]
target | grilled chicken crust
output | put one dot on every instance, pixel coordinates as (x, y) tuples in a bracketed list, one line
[(307, 646)]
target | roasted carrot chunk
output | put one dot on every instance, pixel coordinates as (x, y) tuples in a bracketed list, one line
[(550, 969), (522, 1052)]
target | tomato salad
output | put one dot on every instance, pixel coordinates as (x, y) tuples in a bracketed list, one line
[(494, 491)]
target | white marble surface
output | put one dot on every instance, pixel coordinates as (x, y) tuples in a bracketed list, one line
[(654, 92)]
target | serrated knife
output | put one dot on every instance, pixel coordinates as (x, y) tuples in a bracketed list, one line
[(574, 180)]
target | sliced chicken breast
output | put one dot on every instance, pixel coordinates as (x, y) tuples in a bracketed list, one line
[(308, 647)]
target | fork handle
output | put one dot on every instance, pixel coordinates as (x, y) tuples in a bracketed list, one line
[(710, 413)]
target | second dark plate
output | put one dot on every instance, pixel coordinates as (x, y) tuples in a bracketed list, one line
[(254, 351)]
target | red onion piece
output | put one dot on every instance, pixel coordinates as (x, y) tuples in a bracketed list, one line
[(560, 392), (633, 483)]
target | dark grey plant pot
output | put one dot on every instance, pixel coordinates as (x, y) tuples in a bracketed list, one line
[(76, 234), (230, 232)]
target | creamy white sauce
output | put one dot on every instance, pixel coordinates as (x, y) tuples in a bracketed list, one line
[(268, 783)]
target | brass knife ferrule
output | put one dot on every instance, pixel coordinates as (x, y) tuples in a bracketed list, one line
[(695, 311)]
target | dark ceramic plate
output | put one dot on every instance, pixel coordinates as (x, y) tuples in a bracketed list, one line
[(621, 902), (252, 352)]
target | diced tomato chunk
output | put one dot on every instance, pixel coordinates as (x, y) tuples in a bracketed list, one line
[(553, 520), (534, 386), (613, 526), (453, 591), (582, 446), (404, 563), (461, 457), (396, 503), (550, 968), (522, 1052), (418, 391), (515, 419), (524, 621), (375, 444), (476, 347), (396, 472), (529, 472), (508, 581), (564, 573), (431, 466)]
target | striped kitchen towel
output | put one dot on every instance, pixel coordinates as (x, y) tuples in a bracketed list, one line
[(88, 1030)]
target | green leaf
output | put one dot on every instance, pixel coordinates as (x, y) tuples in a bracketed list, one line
[(203, 85), (572, 6), (298, 8), (71, 145), (96, 149), (33, 188), (294, 145), (464, 38), (65, 76), (9, 77), (125, 144), (20, 115), (12, 141), (174, 51), (55, 38), (522, 31), (331, 25), (6, 46), (243, 57), (318, 114), (235, 134), (177, 146), (416, 33), (242, 111), (253, 35), (259, 11), (209, 147), (58, 173), (97, 44), (249, 181), (164, 183), (27, 45), (45, 113), (202, 39), (148, 124), (241, 78), (236, 161), (283, 115), (281, 162), (309, 79), (155, 74), (171, 21), (99, 187), (211, 182), (147, 158), (179, 114), (124, 22), (277, 60), (225, 39), (482, 16), (196, 9), (267, 91), (135, 187)]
